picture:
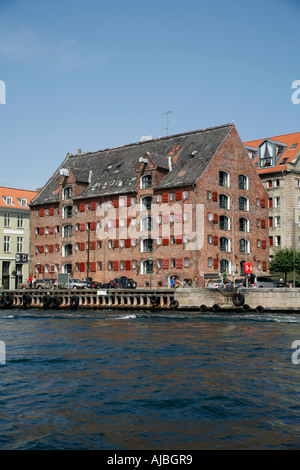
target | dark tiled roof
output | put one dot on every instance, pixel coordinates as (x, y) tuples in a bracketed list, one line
[(113, 170)]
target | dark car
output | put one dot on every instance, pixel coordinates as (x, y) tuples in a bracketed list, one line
[(121, 282), (93, 285)]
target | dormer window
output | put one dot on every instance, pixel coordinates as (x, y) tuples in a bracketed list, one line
[(67, 193), (146, 181), (270, 153), (23, 202), (8, 200)]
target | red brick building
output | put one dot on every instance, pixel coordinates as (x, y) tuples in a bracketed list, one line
[(191, 205)]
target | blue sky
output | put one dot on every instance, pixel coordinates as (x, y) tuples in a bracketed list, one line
[(95, 74)]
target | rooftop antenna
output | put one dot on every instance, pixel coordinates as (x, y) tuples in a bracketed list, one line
[(167, 116)]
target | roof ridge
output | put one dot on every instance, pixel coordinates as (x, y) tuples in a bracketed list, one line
[(151, 140)]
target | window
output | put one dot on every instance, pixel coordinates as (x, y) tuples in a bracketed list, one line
[(67, 212), (258, 243), (20, 244), (146, 224), (146, 181), (67, 193), (7, 220), (243, 204), (244, 246), (210, 239), (158, 198), (67, 231), (225, 266), (244, 224), (209, 262), (147, 245), (147, 267), (67, 250), (186, 262), (6, 248), (243, 182), (224, 244), (266, 155), (277, 201), (278, 240), (224, 179), (223, 201), (277, 221), (185, 194), (224, 222), (277, 183), (146, 203), (20, 221)]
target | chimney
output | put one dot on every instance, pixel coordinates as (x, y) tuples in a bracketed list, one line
[(170, 162), (79, 151)]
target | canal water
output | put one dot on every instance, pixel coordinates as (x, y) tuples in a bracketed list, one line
[(141, 381)]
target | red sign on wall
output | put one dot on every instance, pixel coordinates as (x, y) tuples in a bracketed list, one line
[(248, 268)]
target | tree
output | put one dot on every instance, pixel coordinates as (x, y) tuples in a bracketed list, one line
[(283, 262)]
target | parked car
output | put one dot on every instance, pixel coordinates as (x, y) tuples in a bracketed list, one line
[(261, 281), (39, 284), (75, 284), (93, 285), (121, 282), (213, 284), (239, 283)]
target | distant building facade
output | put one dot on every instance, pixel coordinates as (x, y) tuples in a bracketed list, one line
[(277, 162), (15, 236), (190, 205)]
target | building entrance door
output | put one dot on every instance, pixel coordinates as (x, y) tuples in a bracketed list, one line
[(5, 274)]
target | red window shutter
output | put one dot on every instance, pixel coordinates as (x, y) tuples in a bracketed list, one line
[(92, 266), (51, 230), (41, 268), (215, 263), (41, 249), (51, 248), (82, 207), (42, 212), (82, 227), (41, 231), (165, 197), (92, 245), (215, 219), (271, 241), (128, 222), (263, 223), (165, 241), (82, 246), (270, 221), (264, 265), (178, 240), (93, 225), (115, 265), (127, 265), (215, 239), (51, 268), (116, 223), (165, 263), (165, 219), (116, 243), (115, 202), (214, 196), (93, 206), (81, 267), (269, 184), (178, 195), (51, 211), (263, 203), (178, 263), (127, 202), (270, 202), (264, 244), (127, 243)]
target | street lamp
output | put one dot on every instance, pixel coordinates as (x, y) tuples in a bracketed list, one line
[(150, 268)]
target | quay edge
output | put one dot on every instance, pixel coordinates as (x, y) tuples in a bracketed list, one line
[(182, 299)]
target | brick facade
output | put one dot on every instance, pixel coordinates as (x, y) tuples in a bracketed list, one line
[(109, 235)]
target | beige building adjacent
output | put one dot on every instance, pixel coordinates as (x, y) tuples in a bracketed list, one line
[(277, 161), (15, 236)]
